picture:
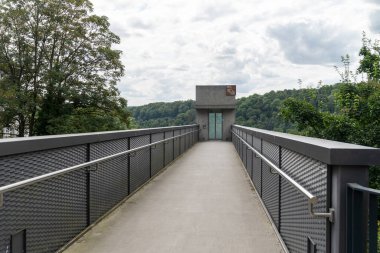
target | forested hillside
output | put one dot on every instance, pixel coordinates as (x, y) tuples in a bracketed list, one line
[(164, 114), (260, 111)]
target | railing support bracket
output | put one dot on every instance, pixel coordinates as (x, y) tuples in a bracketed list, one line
[(330, 215)]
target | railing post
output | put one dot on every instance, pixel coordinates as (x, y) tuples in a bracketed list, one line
[(340, 176)]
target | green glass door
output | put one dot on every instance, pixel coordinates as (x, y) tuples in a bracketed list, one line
[(211, 123), (215, 121), (218, 126)]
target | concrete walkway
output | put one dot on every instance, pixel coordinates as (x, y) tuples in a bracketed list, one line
[(202, 203)]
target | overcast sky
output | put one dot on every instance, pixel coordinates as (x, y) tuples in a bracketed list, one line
[(169, 46)]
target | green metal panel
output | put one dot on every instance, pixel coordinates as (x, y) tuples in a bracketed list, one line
[(219, 126), (211, 126)]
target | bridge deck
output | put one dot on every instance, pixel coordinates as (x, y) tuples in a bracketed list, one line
[(202, 203)]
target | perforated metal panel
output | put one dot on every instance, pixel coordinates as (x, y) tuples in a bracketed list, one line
[(241, 149), (270, 193), (187, 139), (157, 154), (271, 152), (183, 142), (296, 223), (19, 167), (249, 163), (176, 144), (249, 139), (22, 206), (55, 211), (287, 207), (108, 180), (52, 212), (256, 173), (108, 186), (256, 143), (244, 155), (168, 148), (140, 163)]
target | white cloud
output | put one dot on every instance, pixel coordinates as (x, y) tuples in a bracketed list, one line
[(314, 42), (171, 46)]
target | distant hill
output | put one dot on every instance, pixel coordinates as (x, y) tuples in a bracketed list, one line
[(164, 114), (260, 111)]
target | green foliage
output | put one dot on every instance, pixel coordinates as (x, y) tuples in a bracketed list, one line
[(57, 60), (370, 62), (357, 116), (164, 114), (83, 120), (260, 111), (263, 111)]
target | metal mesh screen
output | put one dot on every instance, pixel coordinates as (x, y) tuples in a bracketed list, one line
[(270, 193), (140, 163), (182, 142), (168, 148), (22, 206), (108, 186), (249, 162), (157, 154), (19, 167), (108, 180), (52, 212), (187, 139), (287, 207), (256, 173), (244, 155), (256, 143), (176, 144), (296, 223), (56, 210)]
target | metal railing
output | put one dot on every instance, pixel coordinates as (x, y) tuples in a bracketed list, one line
[(361, 212), (302, 184), (44, 177), (41, 212), (312, 199)]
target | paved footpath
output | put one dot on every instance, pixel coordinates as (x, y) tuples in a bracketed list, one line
[(203, 202)]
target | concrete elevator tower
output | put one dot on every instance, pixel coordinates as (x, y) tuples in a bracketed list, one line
[(215, 107)]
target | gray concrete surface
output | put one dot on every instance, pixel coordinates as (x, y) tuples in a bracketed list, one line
[(213, 97), (202, 203)]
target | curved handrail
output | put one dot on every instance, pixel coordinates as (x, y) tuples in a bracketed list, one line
[(312, 199), (30, 181), (358, 187)]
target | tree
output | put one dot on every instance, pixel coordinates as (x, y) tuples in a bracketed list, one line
[(370, 62), (57, 60), (357, 116)]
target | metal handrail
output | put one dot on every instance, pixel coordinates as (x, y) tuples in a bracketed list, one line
[(30, 181), (358, 187), (312, 199)]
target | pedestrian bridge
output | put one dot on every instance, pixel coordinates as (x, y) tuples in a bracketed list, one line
[(160, 190)]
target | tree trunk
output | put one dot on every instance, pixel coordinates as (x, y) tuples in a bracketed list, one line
[(21, 126)]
